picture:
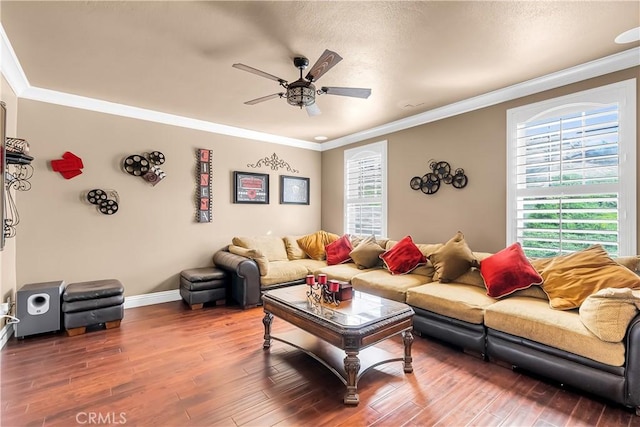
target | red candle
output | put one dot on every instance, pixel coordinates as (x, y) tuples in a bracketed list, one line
[(322, 279), (310, 279), (334, 286)]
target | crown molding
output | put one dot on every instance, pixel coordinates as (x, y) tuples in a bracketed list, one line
[(12, 70), (92, 104), (10, 66), (609, 64)]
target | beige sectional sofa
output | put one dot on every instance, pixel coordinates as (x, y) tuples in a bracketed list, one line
[(520, 329)]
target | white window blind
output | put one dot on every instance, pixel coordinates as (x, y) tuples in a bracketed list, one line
[(572, 174), (365, 190)]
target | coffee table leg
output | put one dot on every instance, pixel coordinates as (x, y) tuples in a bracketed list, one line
[(351, 367), (266, 320), (407, 337)]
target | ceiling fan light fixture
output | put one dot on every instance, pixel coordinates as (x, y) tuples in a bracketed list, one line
[(301, 94)]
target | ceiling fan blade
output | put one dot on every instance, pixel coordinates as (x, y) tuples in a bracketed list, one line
[(313, 110), (355, 92), (265, 98), (259, 73), (323, 64)]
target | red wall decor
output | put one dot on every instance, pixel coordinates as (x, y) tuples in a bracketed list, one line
[(203, 195), (69, 166)]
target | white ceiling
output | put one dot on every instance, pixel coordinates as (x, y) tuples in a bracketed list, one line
[(175, 56)]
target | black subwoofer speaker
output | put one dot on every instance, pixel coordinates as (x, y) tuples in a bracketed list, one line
[(38, 306)]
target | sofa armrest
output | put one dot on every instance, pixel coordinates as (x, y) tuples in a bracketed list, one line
[(245, 277), (632, 371)]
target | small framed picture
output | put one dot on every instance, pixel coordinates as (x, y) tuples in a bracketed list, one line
[(250, 187), (294, 190)]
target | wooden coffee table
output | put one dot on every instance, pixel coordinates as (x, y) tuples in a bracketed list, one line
[(326, 331)]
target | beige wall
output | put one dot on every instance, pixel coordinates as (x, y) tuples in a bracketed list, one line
[(154, 235), (474, 141), (8, 255)]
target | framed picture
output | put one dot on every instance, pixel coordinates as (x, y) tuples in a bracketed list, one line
[(250, 187), (294, 190)]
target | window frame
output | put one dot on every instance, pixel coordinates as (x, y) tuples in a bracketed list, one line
[(377, 148), (623, 93)]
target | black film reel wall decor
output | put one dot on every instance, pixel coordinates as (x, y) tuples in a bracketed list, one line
[(106, 201), (440, 173), (146, 166)]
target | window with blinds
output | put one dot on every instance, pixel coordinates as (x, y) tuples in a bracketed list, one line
[(572, 175), (365, 190)]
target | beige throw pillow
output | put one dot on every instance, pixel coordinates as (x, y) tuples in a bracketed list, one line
[(631, 262), (254, 254), (271, 246), (294, 251), (367, 253), (607, 313), (453, 259), (569, 279)]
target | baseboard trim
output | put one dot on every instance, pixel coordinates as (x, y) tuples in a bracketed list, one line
[(151, 299), (130, 302), (5, 334)]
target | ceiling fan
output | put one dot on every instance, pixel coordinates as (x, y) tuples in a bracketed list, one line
[(302, 92)]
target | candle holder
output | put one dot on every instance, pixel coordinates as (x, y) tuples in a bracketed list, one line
[(323, 292), (315, 292), (330, 297)]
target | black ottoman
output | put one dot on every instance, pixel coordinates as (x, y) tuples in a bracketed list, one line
[(201, 285), (99, 302)]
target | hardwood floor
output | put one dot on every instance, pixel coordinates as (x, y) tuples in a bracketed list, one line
[(169, 366)]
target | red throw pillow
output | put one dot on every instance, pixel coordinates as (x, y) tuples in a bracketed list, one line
[(338, 251), (508, 271), (403, 257)]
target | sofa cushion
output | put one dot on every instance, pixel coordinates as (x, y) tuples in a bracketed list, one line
[(314, 244), (473, 276), (456, 300), (533, 319), (425, 270), (254, 254), (426, 248), (294, 251), (312, 265), (383, 284), (532, 292), (367, 253), (282, 272), (508, 271), (453, 259), (343, 272), (271, 246), (570, 279), (607, 313), (338, 251), (631, 262), (403, 257)]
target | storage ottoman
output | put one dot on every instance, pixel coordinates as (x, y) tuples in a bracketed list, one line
[(202, 285), (99, 302)]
